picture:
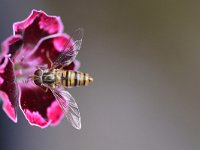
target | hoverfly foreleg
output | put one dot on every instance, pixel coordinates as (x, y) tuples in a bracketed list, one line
[(48, 57)]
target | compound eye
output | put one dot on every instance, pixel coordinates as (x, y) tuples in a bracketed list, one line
[(38, 72), (38, 81)]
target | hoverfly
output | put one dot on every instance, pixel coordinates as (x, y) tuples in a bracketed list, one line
[(58, 80)]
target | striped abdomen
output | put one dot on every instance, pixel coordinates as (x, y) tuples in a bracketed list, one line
[(75, 78)]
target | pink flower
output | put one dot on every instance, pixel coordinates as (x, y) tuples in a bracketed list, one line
[(21, 54)]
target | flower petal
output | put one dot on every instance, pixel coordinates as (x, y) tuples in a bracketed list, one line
[(53, 44), (54, 113), (37, 26), (35, 119), (11, 46), (39, 107), (9, 91)]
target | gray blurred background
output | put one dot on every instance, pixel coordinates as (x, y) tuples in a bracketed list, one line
[(145, 59)]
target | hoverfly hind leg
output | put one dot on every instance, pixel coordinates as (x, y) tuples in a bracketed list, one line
[(63, 66), (46, 90)]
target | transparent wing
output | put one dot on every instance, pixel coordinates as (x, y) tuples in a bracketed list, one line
[(69, 53), (69, 106)]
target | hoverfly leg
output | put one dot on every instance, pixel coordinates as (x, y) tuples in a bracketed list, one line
[(42, 67), (46, 90), (48, 57), (63, 66)]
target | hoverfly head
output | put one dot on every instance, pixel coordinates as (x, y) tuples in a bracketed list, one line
[(37, 77)]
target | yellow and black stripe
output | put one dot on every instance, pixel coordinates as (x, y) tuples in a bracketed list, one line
[(75, 78)]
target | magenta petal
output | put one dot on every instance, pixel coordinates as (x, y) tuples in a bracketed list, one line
[(54, 113), (7, 107), (53, 44), (61, 42), (1, 81), (9, 91), (51, 24), (11, 46), (37, 26), (35, 119), (38, 106)]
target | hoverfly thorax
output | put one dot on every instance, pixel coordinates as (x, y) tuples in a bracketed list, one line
[(43, 77), (48, 77)]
